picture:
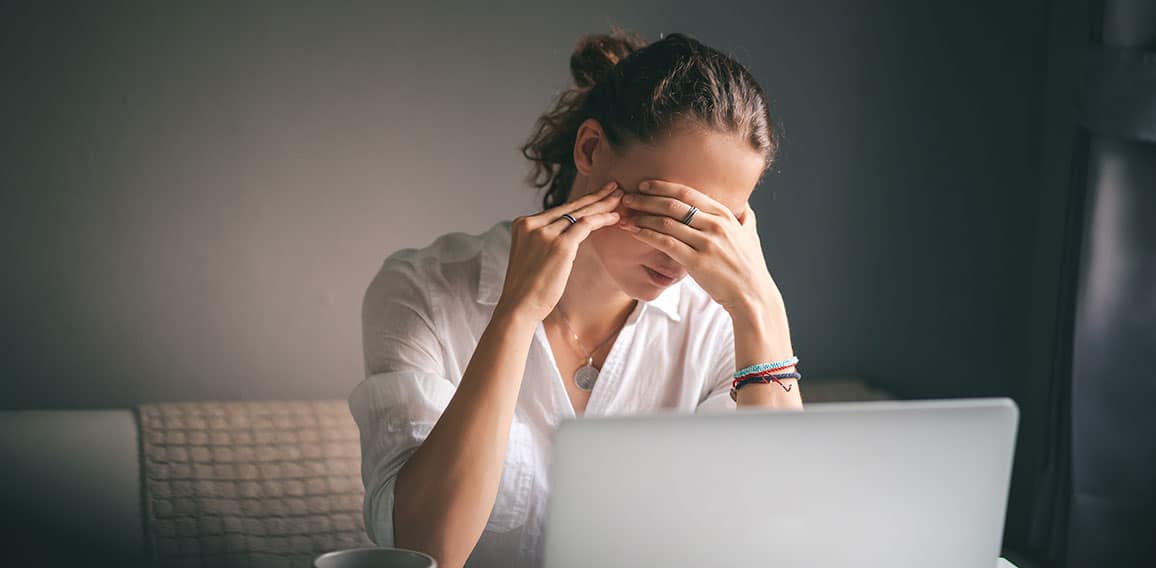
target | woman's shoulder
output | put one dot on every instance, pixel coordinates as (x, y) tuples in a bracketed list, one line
[(450, 263), (454, 247)]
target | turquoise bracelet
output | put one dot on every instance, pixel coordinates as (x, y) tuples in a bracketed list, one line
[(765, 366)]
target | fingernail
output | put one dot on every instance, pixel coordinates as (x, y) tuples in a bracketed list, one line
[(628, 198), (618, 192), (644, 185)]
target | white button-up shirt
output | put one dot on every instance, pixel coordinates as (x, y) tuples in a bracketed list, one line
[(422, 318)]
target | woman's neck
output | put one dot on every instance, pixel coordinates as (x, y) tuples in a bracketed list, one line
[(594, 306)]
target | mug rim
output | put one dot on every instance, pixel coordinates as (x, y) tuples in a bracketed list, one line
[(358, 548)]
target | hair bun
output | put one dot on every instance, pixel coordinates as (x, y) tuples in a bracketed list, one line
[(596, 54)]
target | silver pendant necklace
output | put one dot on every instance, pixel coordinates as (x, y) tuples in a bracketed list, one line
[(587, 374)]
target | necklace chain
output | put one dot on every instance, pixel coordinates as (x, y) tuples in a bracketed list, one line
[(589, 354)]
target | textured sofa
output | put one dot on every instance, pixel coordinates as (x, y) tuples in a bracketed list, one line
[(253, 484)]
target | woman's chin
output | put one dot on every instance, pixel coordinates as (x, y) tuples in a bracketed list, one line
[(644, 290)]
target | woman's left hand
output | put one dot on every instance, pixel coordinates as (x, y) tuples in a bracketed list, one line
[(720, 251)]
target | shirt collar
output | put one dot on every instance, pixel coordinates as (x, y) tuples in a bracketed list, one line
[(495, 256)]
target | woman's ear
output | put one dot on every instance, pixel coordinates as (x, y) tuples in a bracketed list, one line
[(587, 144)]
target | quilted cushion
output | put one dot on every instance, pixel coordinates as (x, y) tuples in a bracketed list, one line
[(254, 484)]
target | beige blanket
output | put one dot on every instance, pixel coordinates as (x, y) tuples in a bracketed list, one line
[(253, 484)]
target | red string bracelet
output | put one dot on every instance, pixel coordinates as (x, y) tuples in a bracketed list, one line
[(775, 378), (762, 373)]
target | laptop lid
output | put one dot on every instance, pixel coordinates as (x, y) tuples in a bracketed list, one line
[(893, 483)]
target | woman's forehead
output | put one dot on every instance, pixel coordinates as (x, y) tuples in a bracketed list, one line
[(721, 166)]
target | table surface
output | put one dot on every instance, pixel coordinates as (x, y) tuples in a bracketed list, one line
[(1003, 563)]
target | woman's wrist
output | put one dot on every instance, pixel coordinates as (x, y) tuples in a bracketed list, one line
[(762, 335), (761, 332), (512, 316), (758, 301)]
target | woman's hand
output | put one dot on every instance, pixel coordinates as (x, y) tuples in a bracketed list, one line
[(720, 251), (723, 254), (543, 248)]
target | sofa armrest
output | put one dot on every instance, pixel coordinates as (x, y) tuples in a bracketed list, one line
[(72, 478)]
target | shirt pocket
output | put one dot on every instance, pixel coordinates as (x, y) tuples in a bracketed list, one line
[(512, 505)]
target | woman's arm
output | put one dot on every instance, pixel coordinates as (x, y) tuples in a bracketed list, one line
[(445, 492), (447, 489), (722, 251), (761, 336)]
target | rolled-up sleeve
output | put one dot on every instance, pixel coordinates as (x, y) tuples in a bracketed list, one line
[(405, 389)]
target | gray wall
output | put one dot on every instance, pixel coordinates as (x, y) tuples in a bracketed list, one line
[(195, 195)]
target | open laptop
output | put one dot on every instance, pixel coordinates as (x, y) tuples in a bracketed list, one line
[(894, 484)]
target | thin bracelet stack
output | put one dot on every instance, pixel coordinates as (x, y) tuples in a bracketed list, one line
[(765, 373)]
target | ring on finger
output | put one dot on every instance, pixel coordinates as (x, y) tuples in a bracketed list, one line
[(689, 215)]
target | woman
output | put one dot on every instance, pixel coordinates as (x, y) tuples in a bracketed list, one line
[(641, 286)]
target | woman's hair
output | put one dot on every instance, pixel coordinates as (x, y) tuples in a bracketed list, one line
[(640, 92)]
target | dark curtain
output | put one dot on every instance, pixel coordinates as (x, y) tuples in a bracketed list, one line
[(1097, 491)]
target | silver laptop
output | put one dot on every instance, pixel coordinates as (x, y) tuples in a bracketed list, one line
[(889, 484)]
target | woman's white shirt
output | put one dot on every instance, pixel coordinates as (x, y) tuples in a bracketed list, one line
[(422, 318)]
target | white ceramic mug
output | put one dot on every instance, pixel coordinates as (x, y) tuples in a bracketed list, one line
[(374, 557)]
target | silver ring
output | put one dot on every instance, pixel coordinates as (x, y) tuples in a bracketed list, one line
[(689, 215), (570, 218)]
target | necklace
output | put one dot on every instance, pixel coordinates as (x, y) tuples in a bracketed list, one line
[(587, 374)]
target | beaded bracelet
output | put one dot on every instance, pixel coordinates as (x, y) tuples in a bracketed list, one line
[(776, 378), (766, 373), (788, 366), (768, 366)]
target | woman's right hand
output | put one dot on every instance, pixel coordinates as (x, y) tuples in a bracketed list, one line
[(543, 248)]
